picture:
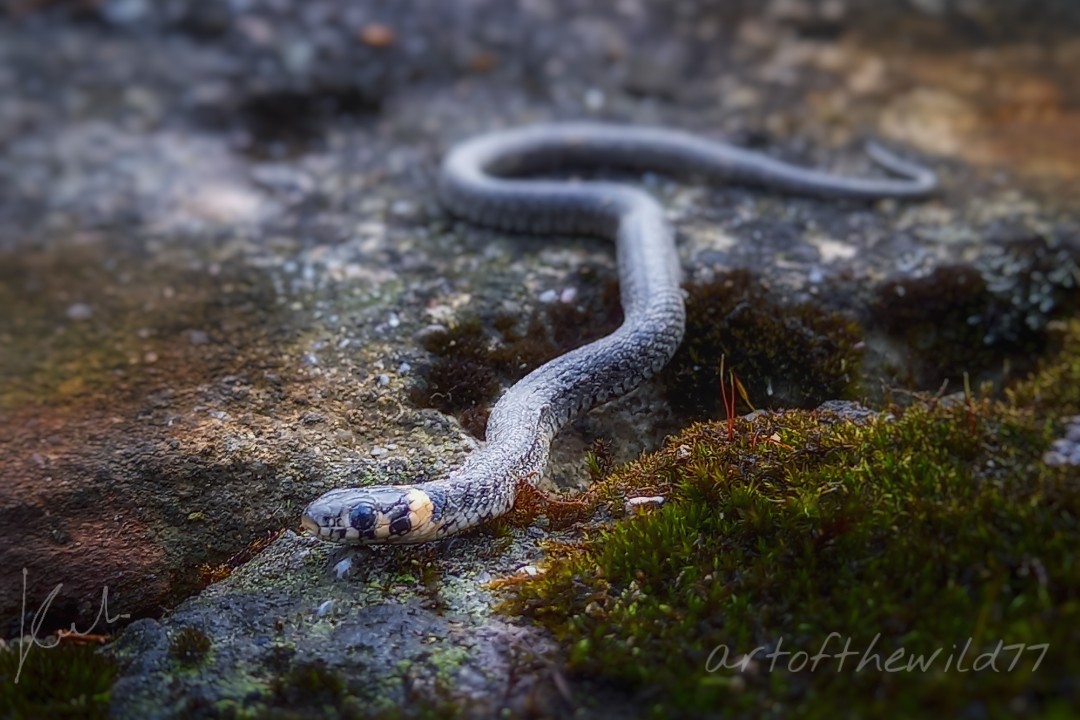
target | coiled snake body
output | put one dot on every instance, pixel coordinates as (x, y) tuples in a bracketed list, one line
[(480, 181)]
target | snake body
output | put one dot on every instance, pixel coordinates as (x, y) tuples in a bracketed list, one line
[(482, 181)]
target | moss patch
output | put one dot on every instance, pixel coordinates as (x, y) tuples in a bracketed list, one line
[(311, 683), (476, 358), (804, 531), (793, 355), (189, 646), (69, 681), (962, 319)]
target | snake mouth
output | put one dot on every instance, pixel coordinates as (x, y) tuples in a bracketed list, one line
[(309, 525)]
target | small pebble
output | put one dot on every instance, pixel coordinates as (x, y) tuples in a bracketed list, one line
[(325, 608), (404, 368), (377, 35), (1065, 450), (342, 568), (594, 99), (548, 296), (124, 12), (282, 178), (1072, 432), (383, 379), (401, 208), (642, 504), (429, 332), (79, 311)]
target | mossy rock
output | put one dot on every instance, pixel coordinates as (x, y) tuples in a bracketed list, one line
[(935, 529)]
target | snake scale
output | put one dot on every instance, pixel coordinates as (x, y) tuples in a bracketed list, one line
[(484, 181)]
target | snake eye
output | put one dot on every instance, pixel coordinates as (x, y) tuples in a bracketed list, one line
[(362, 517)]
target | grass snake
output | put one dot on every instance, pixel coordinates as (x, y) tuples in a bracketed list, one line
[(484, 181)]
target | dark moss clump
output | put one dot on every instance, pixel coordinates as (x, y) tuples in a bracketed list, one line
[(305, 690), (311, 684), (69, 681), (189, 646), (804, 532), (314, 690), (961, 319), (462, 379), (475, 359), (938, 322), (795, 355), (286, 121)]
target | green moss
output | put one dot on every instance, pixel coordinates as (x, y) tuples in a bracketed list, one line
[(446, 663), (794, 355), (905, 535), (189, 646), (1055, 389), (69, 681)]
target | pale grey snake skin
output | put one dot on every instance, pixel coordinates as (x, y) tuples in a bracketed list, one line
[(477, 184)]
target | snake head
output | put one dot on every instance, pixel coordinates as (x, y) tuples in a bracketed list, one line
[(361, 516)]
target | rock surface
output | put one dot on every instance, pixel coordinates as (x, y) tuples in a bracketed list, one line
[(219, 239)]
